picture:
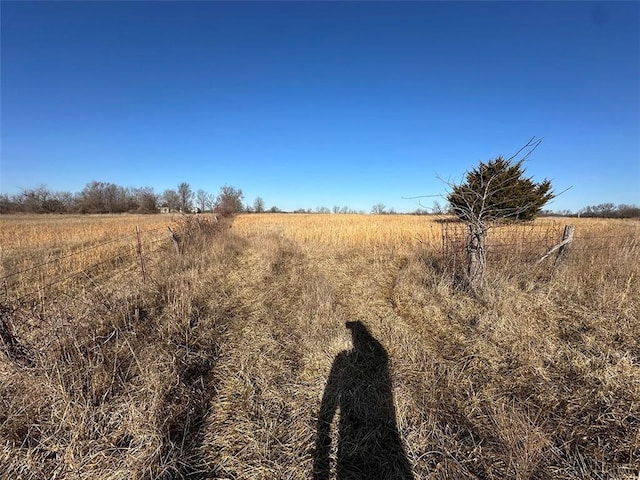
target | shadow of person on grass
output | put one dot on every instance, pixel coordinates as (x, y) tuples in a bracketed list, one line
[(359, 385)]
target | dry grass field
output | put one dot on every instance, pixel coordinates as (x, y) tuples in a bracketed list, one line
[(58, 249), (313, 347)]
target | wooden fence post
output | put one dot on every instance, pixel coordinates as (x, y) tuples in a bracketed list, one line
[(567, 238), (562, 247)]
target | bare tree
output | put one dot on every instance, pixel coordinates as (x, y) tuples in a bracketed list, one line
[(258, 205), (146, 199), (186, 197), (103, 197), (35, 199), (171, 199), (378, 208), (229, 200), (204, 200)]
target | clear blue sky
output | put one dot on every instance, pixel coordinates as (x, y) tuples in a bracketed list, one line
[(320, 104)]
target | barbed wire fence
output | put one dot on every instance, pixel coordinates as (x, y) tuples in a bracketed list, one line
[(87, 267), (37, 286), (137, 254)]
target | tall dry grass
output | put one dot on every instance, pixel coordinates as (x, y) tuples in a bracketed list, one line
[(234, 361), (35, 232), (41, 251), (345, 231)]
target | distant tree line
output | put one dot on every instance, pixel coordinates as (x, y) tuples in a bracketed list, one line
[(603, 210), (104, 197), (609, 210)]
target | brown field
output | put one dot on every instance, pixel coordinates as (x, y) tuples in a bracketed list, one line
[(315, 347), (66, 244)]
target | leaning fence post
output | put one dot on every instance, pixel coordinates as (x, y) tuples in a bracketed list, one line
[(567, 238), (174, 239), (562, 247)]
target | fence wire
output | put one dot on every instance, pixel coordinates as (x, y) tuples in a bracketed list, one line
[(528, 243), (116, 256)]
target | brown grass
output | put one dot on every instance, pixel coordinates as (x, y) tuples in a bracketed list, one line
[(232, 361)]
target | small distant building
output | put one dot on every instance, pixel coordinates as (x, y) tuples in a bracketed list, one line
[(165, 209)]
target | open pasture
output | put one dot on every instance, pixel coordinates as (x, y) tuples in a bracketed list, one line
[(321, 346), (36, 250)]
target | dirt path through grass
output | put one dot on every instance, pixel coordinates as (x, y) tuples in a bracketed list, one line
[(274, 363)]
